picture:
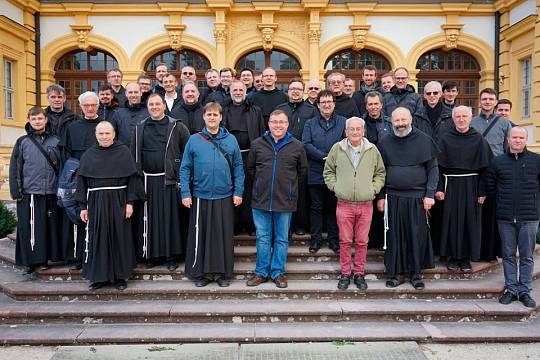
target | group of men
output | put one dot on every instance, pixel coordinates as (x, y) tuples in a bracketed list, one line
[(171, 172)]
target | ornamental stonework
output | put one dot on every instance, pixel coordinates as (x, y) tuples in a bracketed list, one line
[(295, 27), (241, 26), (82, 32)]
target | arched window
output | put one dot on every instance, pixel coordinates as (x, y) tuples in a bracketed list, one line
[(81, 71), (454, 65), (176, 60), (351, 63), (286, 66)]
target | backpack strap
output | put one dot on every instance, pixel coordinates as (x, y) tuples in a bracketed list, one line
[(44, 153), (223, 152), (490, 126)]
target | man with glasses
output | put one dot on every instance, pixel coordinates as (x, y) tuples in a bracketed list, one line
[(277, 162), (298, 112), (344, 105), (404, 95), (354, 171), (440, 116), (114, 78), (320, 134), (269, 96), (145, 84), (313, 89)]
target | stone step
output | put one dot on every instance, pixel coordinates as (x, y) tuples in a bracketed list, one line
[(422, 332), (260, 311)]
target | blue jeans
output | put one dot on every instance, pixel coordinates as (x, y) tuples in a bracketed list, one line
[(270, 224), (520, 235)]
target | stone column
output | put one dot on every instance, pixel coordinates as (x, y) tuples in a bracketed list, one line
[(314, 35)]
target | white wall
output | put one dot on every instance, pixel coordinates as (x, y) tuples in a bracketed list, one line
[(482, 27), (128, 31), (332, 26), (11, 11), (201, 27), (521, 11), (53, 27), (8, 135)]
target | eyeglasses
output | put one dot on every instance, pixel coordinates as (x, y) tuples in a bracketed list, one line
[(401, 78), (326, 102), (188, 73), (336, 82), (430, 93), (313, 88), (89, 105), (295, 89), (274, 122), (355, 128)]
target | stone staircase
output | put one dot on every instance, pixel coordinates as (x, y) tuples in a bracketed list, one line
[(55, 307)]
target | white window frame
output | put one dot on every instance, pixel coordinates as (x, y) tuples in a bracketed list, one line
[(8, 89), (526, 87)]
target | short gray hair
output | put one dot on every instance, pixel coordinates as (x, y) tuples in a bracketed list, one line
[(86, 95), (435, 84), (355, 118), (469, 110)]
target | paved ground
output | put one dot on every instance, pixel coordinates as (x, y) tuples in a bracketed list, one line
[(300, 351)]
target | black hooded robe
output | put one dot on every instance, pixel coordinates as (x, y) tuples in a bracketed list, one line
[(107, 182)]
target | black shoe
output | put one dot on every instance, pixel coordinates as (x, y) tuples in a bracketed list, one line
[(527, 300), (223, 281), (29, 270), (507, 298), (344, 281), (314, 248), (452, 265), (360, 282), (76, 266), (300, 231), (417, 283), (97, 285), (202, 282), (394, 281), (172, 265), (120, 284), (43, 267), (465, 266)]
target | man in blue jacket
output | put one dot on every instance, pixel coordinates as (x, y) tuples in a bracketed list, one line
[(211, 182), (277, 162), (513, 178), (319, 135)]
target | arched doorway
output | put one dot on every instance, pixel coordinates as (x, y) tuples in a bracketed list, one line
[(454, 65), (286, 65), (81, 71), (351, 63), (176, 60)]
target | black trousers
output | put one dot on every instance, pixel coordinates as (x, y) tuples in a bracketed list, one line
[(323, 206), (300, 218)]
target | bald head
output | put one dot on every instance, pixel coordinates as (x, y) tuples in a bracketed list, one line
[(105, 133), (133, 93), (104, 125), (517, 139), (401, 121)]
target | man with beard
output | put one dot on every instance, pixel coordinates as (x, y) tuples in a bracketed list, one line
[(246, 77), (320, 134), (172, 99), (463, 158), (161, 70), (245, 122), (377, 125), (131, 115), (107, 185), (403, 95), (211, 183), (410, 158), (495, 130), (58, 116), (298, 112), (158, 147), (33, 177), (369, 83), (145, 84), (450, 93), (107, 109), (79, 137), (344, 105), (269, 96), (114, 78), (314, 87), (387, 82), (440, 116), (190, 111)]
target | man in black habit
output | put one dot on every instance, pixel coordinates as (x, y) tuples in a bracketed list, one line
[(107, 185), (410, 158), (245, 122), (463, 158), (158, 146), (79, 137)]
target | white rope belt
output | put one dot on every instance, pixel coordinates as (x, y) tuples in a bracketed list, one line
[(246, 150), (88, 220), (386, 227), (145, 216), (446, 176), (32, 223), (196, 234)]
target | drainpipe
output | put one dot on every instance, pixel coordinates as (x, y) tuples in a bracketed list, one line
[(37, 22), (497, 47)]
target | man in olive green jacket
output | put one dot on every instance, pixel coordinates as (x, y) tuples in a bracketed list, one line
[(354, 171)]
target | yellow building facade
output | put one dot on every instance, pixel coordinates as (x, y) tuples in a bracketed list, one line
[(224, 31)]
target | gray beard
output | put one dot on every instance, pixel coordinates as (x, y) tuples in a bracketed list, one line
[(402, 133)]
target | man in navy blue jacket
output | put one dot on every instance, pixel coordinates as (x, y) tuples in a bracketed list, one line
[(319, 135)]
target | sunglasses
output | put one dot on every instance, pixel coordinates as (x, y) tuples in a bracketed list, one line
[(313, 88), (429, 93)]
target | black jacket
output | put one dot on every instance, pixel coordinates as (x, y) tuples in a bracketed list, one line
[(127, 118), (190, 115), (376, 129), (359, 96), (59, 120), (80, 136), (514, 181), (346, 107), (29, 170), (253, 117), (298, 114), (219, 95), (268, 100), (408, 98), (120, 98), (177, 137), (440, 119), (276, 169), (177, 103), (107, 112)]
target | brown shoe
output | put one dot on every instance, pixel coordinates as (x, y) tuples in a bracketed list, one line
[(256, 280), (281, 281)]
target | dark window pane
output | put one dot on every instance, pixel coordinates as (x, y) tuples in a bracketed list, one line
[(81, 61)]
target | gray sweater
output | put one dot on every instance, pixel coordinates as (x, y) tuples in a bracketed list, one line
[(496, 137)]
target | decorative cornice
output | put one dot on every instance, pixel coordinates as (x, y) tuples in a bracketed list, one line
[(359, 33), (82, 32), (175, 35), (452, 32), (267, 32)]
